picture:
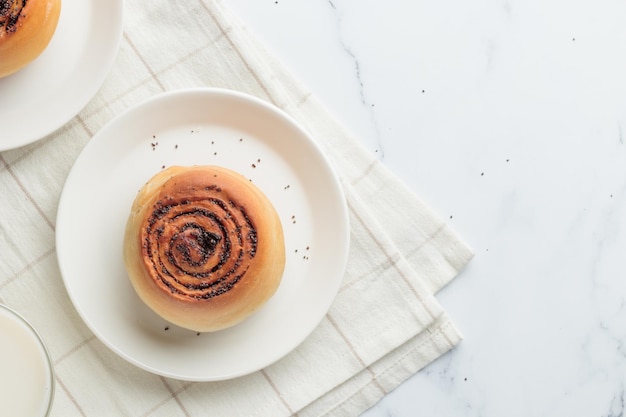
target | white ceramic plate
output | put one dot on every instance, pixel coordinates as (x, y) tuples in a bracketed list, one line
[(194, 127), (47, 93)]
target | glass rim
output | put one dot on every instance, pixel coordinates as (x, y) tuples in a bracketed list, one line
[(47, 357)]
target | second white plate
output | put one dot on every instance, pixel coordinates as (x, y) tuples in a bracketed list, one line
[(46, 94), (203, 126)]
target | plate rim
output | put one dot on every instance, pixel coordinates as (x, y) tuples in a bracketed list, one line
[(75, 107), (344, 216)]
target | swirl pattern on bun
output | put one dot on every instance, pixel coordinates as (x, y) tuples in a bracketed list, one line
[(203, 247)]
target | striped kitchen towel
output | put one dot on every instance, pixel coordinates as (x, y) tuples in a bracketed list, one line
[(385, 323)]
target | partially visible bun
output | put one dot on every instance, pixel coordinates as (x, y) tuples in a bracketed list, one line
[(203, 247), (26, 28)]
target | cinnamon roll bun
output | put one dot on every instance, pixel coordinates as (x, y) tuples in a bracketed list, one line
[(26, 28), (203, 247)]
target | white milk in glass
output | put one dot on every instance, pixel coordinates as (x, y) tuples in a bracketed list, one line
[(26, 381)]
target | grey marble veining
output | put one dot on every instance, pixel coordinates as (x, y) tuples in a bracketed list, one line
[(508, 118)]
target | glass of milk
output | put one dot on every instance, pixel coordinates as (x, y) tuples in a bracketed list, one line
[(26, 373)]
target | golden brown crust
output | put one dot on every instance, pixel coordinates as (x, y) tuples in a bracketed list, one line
[(203, 247), (26, 28)]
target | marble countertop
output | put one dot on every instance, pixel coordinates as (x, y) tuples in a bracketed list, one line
[(508, 117)]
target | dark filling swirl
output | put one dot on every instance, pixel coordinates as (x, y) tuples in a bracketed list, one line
[(198, 247), (10, 12)]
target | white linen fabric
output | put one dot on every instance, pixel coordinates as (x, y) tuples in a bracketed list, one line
[(385, 323)]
